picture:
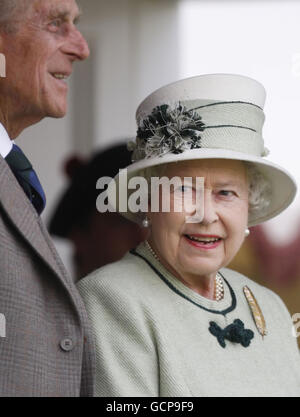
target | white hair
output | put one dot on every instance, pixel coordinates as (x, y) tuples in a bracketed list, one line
[(9, 10), (259, 187), (260, 191)]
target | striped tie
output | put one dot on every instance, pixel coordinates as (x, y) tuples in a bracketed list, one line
[(27, 178)]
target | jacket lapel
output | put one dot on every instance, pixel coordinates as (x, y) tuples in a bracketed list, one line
[(26, 220)]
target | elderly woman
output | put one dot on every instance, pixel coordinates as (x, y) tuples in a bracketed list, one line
[(169, 319)]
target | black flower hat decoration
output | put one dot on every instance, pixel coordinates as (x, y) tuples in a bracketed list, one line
[(167, 130)]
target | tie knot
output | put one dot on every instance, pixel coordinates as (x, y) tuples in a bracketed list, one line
[(17, 160), (27, 178)]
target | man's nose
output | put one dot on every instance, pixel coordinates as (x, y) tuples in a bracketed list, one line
[(210, 214), (76, 45)]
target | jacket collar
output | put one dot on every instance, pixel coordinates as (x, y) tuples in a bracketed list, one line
[(26, 220), (5, 142)]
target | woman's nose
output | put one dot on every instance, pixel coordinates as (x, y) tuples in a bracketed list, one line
[(210, 214)]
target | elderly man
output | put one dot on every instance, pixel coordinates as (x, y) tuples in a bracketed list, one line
[(47, 348)]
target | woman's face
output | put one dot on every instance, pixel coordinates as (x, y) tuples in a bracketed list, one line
[(190, 250)]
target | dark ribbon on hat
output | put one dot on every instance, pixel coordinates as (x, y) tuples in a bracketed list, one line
[(234, 332), (27, 178)]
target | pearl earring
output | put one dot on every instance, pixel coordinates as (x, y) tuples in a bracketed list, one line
[(146, 222), (247, 232)]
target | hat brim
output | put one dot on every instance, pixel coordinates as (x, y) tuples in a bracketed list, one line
[(282, 184)]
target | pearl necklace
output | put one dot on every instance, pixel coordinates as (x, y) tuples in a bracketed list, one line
[(219, 287)]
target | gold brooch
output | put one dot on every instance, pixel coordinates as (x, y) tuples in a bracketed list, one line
[(256, 311)]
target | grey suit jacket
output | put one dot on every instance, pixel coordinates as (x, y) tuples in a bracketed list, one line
[(48, 346)]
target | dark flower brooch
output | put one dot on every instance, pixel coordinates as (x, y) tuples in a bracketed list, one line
[(167, 130), (234, 332)]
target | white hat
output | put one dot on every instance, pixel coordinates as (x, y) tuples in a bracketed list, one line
[(214, 116)]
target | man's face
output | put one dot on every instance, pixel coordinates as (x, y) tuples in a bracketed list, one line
[(39, 58)]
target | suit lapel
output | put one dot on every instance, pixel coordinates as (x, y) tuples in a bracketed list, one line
[(26, 220)]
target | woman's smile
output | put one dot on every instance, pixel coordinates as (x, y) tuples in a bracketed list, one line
[(203, 242)]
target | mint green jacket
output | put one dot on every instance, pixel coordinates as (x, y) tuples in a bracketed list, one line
[(152, 335)]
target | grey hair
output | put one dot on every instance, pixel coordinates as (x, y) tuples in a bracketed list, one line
[(260, 191), (9, 10)]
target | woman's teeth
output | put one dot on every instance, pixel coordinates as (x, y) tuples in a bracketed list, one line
[(203, 239)]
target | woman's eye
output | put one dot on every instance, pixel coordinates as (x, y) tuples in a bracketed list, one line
[(184, 189), (227, 193)]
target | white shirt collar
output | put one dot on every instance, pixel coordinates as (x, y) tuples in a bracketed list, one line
[(5, 143)]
